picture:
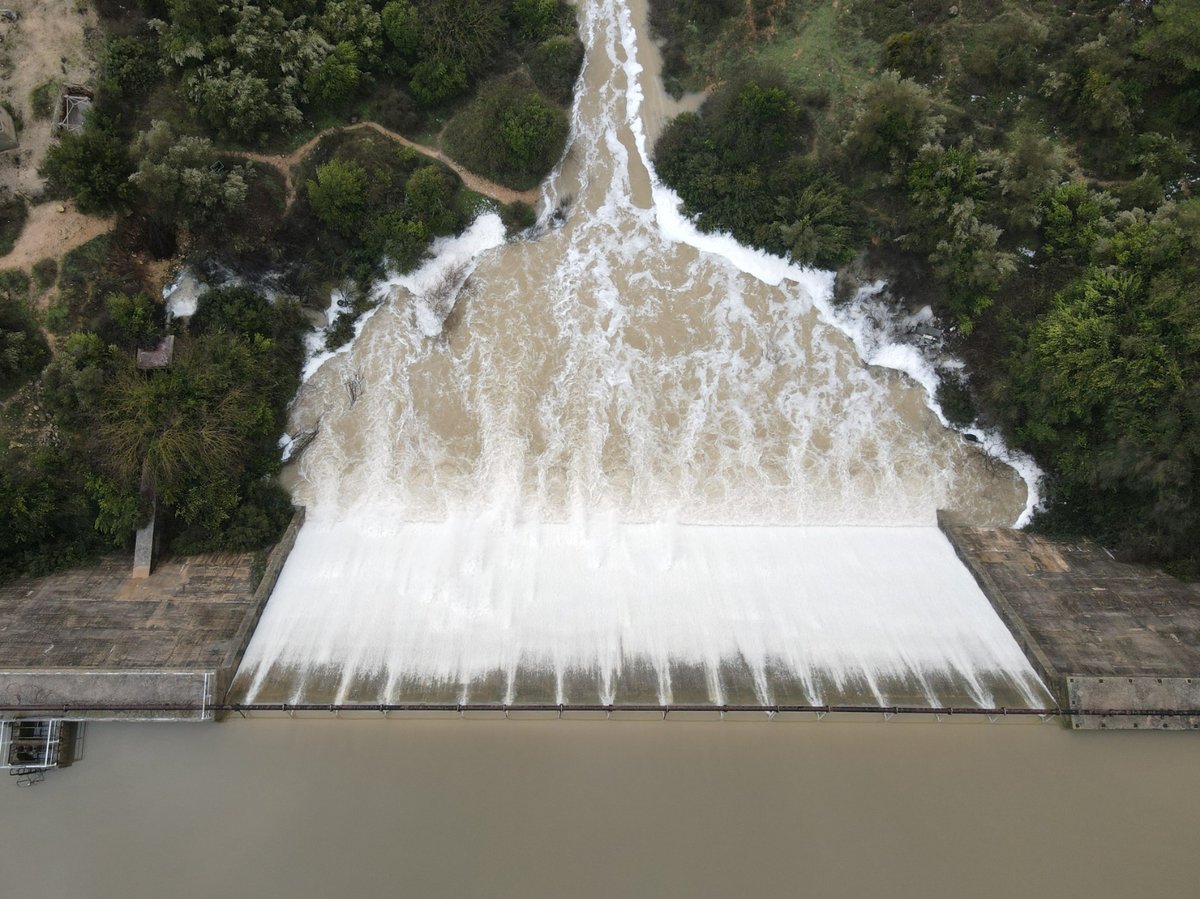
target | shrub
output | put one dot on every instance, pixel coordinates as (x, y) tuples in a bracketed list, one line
[(136, 319), (914, 54), (555, 64), (13, 214), (23, 349), (87, 276), (45, 272), (393, 107), (518, 216)]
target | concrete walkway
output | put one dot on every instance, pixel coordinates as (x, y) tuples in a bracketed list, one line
[(1102, 634)]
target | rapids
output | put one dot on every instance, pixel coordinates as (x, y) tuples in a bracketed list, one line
[(621, 460)]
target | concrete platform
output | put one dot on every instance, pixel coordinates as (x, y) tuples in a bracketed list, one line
[(96, 643), (1104, 635)]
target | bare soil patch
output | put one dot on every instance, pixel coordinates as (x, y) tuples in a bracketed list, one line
[(48, 42), (50, 233)]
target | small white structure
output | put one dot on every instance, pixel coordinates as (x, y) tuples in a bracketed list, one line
[(29, 747), (74, 100)]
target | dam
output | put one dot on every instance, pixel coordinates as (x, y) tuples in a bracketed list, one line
[(619, 461)]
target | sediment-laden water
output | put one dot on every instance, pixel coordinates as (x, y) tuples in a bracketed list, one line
[(622, 461), (530, 809)]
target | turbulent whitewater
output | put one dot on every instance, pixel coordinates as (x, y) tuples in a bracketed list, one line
[(620, 461)]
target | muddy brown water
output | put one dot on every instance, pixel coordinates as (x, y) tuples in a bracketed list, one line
[(279, 808)]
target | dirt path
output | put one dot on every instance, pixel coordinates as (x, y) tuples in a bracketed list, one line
[(285, 163), (50, 233)]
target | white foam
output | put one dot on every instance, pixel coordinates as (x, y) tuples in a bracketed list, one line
[(461, 251), (872, 341), (457, 601), (183, 294)]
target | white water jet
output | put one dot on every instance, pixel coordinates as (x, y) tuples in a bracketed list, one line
[(620, 472)]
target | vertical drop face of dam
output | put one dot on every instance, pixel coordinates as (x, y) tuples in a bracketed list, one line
[(623, 462)]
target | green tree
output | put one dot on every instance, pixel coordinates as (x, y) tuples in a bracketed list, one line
[(509, 133), (428, 193), (435, 81), (969, 260), (339, 194), (402, 25), (73, 383), (536, 19), (815, 225), (336, 78), (402, 241), (91, 165), (354, 22), (181, 178), (1073, 219), (45, 514), (1173, 44), (128, 66), (531, 134)]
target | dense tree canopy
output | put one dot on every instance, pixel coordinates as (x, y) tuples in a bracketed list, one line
[(1035, 165)]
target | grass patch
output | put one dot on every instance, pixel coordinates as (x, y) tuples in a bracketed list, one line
[(820, 52), (41, 99), (89, 273)]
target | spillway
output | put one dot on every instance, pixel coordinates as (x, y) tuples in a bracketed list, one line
[(620, 461)]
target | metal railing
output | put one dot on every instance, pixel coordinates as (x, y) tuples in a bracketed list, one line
[(65, 710)]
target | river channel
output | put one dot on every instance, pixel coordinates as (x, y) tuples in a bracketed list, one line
[(618, 460)]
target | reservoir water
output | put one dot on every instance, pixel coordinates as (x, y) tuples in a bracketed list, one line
[(622, 461)]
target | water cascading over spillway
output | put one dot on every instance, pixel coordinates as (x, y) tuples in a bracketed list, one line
[(604, 465)]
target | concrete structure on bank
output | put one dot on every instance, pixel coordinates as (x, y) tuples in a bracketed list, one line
[(94, 643), (1104, 635)]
